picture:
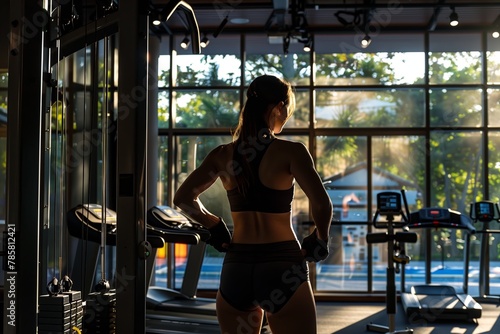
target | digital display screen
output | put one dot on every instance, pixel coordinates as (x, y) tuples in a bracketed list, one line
[(389, 202), (485, 211), (484, 208)]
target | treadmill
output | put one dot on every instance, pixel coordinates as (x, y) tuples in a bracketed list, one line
[(180, 311), (439, 302), (85, 222), (168, 311), (484, 213)]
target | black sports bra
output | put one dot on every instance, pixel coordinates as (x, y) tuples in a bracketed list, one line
[(259, 197)]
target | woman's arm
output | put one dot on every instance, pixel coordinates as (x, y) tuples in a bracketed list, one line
[(187, 196), (303, 170)]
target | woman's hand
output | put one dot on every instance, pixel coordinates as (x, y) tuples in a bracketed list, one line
[(313, 248), (220, 237)]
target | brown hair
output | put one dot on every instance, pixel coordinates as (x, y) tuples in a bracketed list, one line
[(253, 130)]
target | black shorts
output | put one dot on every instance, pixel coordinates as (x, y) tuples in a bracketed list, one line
[(262, 275)]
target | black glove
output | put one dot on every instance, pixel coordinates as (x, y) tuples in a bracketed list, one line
[(316, 249), (219, 235)]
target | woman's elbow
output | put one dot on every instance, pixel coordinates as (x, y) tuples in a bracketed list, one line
[(179, 198)]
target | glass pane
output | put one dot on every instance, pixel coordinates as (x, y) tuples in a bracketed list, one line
[(370, 68), (455, 107), (206, 109), (163, 163), (370, 108), (295, 66), (398, 162), (163, 71), (456, 168), (493, 61), (342, 166), (3, 104), (455, 67), (493, 107), (4, 79), (163, 112), (207, 70), (447, 266), (300, 117), (189, 153), (494, 166)]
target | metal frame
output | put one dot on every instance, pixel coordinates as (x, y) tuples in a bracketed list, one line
[(25, 149)]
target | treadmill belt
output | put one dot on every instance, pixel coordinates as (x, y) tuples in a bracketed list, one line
[(440, 302), (434, 302), (181, 323)]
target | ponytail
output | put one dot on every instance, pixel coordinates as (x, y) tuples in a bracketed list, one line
[(253, 128)]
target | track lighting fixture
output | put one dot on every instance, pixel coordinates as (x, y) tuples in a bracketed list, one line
[(204, 41), (366, 41), (308, 46), (155, 19), (185, 42), (191, 21), (367, 17), (453, 17), (495, 28)]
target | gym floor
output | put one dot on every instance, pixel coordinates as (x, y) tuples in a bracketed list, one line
[(352, 318)]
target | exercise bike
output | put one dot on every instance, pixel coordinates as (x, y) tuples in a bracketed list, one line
[(389, 206)]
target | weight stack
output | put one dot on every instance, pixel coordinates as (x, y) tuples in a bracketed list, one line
[(76, 314), (60, 314), (100, 313)]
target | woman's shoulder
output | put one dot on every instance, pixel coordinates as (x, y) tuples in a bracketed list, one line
[(222, 152), (290, 144)]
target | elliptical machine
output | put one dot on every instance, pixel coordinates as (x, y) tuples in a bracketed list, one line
[(389, 206)]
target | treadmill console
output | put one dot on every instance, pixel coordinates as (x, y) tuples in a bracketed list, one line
[(439, 218), (167, 216), (484, 211), (170, 220), (86, 221), (93, 214)]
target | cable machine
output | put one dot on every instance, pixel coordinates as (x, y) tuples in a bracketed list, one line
[(67, 167)]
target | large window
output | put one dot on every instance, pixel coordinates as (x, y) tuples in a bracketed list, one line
[(416, 112)]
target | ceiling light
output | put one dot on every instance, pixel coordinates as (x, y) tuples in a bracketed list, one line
[(239, 20), (495, 32), (366, 41), (308, 46), (453, 17), (204, 41), (185, 42)]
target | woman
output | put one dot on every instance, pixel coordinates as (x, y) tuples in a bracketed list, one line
[(265, 267)]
